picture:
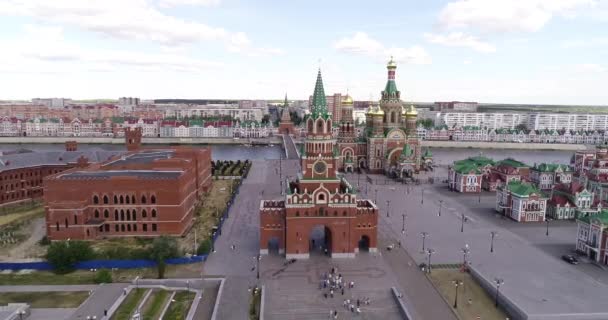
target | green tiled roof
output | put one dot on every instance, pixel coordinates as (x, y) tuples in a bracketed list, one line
[(550, 167), (427, 153), (602, 217), (407, 151), (512, 163), (472, 164), (523, 188), (319, 104)]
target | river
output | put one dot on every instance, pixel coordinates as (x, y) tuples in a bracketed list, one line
[(441, 156)]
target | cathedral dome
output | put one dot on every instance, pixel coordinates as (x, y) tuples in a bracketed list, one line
[(391, 64), (347, 100), (411, 111)]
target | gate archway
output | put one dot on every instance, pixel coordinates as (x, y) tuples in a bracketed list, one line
[(320, 240), (364, 243), (273, 246)]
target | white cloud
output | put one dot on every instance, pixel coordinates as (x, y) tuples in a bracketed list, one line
[(467, 62), (175, 3), (507, 15), (361, 43), (590, 68), (459, 39), (586, 43), (123, 19)]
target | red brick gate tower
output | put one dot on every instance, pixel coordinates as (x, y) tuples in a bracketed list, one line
[(286, 125), (318, 198)]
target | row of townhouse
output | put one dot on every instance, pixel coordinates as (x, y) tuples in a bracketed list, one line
[(514, 135), (114, 127), (532, 121)]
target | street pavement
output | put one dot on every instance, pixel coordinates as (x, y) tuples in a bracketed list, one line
[(534, 277)]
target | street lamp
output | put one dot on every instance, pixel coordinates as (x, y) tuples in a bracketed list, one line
[(376, 195), (463, 219), (424, 234), (547, 221), (465, 251), (257, 259), (212, 236), (498, 282), (479, 199), (429, 252), (493, 234), (422, 197), (188, 285), (457, 283), (440, 205), (403, 224), (388, 208)]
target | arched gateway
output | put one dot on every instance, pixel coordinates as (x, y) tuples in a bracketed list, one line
[(320, 210)]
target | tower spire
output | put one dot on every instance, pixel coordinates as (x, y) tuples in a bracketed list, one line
[(390, 90), (319, 103)]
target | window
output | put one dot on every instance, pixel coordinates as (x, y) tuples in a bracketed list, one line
[(106, 214), (106, 227), (145, 227), (134, 214), (127, 200), (154, 227), (96, 213), (133, 199), (66, 222), (115, 228), (134, 227), (143, 199), (56, 226), (75, 219), (297, 213), (122, 228), (144, 214), (153, 213), (122, 215), (128, 214), (122, 200), (129, 227), (105, 199), (95, 199), (115, 199), (115, 214), (153, 199)]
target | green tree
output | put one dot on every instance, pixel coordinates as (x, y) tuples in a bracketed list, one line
[(266, 119), (103, 276), (521, 127), (204, 247), (163, 248), (63, 255)]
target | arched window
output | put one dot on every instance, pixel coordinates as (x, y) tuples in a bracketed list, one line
[(153, 199), (66, 222), (133, 199), (115, 215), (143, 199), (115, 228), (129, 227), (88, 233), (95, 199), (96, 213), (153, 213), (127, 199), (122, 215), (310, 126), (57, 226), (122, 200), (75, 219), (128, 214), (105, 199), (115, 199), (144, 214), (328, 126), (297, 213), (122, 227), (106, 214), (319, 126), (393, 117), (335, 213), (135, 227), (344, 213), (134, 214)]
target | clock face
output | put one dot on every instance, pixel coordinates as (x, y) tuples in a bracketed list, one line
[(320, 167)]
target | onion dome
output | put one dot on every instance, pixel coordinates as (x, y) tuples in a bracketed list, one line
[(378, 112), (391, 64), (411, 111), (347, 100)]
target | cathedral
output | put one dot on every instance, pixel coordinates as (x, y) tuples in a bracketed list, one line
[(388, 144)]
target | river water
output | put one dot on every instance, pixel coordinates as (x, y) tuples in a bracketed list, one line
[(442, 156)]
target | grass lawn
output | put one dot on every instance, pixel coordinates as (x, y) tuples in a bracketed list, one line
[(178, 310), (21, 215), (128, 306), (481, 305), (154, 305), (45, 299)]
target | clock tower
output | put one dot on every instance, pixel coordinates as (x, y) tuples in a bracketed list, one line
[(320, 153)]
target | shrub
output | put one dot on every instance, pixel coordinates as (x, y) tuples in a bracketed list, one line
[(44, 241), (204, 247), (63, 255), (103, 276)]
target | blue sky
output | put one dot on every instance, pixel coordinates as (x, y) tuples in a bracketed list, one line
[(511, 51)]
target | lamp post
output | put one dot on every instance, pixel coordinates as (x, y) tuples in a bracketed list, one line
[(547, 221), (212, 236), (424, 234), (492, 234), (403, 224), (188, 285), (465, 251), (429, 252), (440, 205), (498, 282), (463, 219), (457, 283), (479, 199), (376, 195), (257, 260), (388, 208)]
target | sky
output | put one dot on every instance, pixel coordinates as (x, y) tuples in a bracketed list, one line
[(494, 51)]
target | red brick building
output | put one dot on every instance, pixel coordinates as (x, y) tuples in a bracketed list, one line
[(145, 192), (319, 201)]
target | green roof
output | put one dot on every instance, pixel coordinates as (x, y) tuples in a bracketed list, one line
[(512, 163), (391, 88), (472, 164), (196, 122), (550, 167), (427, 153), (319, 104), (602, 217), (407, 151), (523, 188)]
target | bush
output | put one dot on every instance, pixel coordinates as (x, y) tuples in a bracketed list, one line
[(204, 247), (63, 255), (103, 276), (163, 248), (44, 241)]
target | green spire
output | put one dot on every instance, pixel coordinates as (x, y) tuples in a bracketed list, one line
[(407, 151), (319, 104)]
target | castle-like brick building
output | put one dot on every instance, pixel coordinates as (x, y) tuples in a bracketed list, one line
[(145, 192), (318, 199)]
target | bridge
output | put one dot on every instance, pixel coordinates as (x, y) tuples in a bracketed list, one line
[(291, 152)]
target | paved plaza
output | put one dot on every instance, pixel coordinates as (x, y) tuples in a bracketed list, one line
[(535, 278)]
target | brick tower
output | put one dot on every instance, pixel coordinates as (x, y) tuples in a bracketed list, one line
[(133, 138)]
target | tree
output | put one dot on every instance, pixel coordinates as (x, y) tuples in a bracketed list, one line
[(266, 119), (163, 248), (63, 255), (204, 247), (521, 127), (103, 276)]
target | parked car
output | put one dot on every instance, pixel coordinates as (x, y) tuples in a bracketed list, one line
[(570, 259)]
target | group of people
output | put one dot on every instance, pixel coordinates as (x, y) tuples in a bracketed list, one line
[(331, 283)]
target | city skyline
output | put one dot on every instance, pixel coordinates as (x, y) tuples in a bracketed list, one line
[(537, 51)]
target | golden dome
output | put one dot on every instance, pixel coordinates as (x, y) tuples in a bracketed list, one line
[(391, 64), (411, 111), (378, 112), (347, 100)]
